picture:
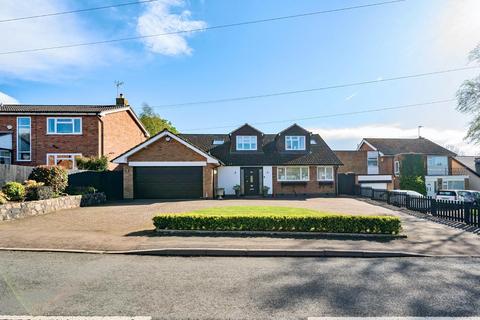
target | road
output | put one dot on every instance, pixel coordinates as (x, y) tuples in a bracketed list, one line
[(236, 288)]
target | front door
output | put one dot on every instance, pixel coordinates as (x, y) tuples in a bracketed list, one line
[(251, 181), (431, 186)]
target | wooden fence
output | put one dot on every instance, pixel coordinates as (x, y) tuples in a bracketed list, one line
[(458, 211), (10, 172)]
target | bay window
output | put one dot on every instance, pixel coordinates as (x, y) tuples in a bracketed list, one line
[(295, 143), (24, 139), (293, 174), (64, 126), (325, 173)]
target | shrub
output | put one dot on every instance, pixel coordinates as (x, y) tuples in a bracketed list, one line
[(38, 191), (414, 183), (14, 191), (81, 190), (52, 176), (92, 163), (3, 198), (324, 223)]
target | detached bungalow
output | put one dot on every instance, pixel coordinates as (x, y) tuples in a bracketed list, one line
[(292, 162)]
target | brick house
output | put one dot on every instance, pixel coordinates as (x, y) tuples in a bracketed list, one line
[(383, 158), (56, 134), (292, 162)]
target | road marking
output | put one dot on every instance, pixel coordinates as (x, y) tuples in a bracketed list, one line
[(393, 318), (72, 318)]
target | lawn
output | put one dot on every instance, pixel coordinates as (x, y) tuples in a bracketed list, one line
[(258, 211), (265, 218)]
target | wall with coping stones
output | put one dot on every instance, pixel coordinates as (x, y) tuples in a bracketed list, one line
[(18, 210)]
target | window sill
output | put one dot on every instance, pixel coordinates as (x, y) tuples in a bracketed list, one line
[(325, 182), (292, 183), (64, 134)]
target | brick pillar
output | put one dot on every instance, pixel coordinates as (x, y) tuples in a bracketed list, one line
[(127, 182)]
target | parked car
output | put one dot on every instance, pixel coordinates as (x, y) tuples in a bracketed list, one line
[(451, 195), (471, 196), (397, 197), (409, 192)]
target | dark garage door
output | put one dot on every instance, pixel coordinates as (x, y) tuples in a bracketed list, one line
[(167, 182)]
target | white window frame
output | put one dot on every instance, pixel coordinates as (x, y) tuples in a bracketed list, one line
[(290, 167), (372, 169), (298, 139), (396, 168), (5, 157), (64, 118), (251, 140), (324, 169), (56, 155), (19, 159)]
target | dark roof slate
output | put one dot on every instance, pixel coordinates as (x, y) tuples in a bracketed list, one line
[(389, 146), (28, 108), (320, 153)]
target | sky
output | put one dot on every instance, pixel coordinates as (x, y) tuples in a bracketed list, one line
[(370, 43)]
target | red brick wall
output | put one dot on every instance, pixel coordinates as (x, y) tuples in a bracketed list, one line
[(312, 187), (353, 161), (41, 143), (121, 133)]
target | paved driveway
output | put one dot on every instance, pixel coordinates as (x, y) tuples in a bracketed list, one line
[(128, 226)]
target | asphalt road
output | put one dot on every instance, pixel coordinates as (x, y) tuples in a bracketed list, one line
[(236, 288)]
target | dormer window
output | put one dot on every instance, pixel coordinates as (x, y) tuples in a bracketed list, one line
[(294, 143), (247, 143)]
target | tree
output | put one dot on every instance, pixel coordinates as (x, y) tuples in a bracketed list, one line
[(469, 100), (153, 122)]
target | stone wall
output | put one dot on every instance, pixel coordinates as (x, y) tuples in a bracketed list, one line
[(18, 210)]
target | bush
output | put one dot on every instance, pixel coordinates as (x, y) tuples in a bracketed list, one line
[(414, 183), (52, 176), (324, 223), (14, 191), (38, 191), (92, 163), (81, 190), (3, 198)]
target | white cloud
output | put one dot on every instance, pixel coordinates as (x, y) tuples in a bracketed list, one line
[(158, 19), (5, 98), (348, 138), (45, 32)]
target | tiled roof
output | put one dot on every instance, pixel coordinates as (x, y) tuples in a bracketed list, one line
[(28, 108), (397, 146), (320, 153), (467, 161)]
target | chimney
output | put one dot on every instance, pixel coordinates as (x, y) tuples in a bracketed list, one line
[(477, 165), (121, 101)]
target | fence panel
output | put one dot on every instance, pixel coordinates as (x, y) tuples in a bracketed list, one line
[(109, 182), (11, 172)]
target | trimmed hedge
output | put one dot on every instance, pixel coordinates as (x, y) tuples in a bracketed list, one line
[(323, 223)]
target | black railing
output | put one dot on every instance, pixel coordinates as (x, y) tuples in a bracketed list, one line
[(458, 211)]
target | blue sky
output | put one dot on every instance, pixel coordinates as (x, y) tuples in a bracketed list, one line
[(364, 44)]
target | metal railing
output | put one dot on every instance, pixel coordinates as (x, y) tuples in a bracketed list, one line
[(458, 211)]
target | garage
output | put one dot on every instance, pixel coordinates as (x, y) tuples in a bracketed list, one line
[(168, 182)]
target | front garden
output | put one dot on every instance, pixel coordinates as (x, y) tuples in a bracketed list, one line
[(276, 219)]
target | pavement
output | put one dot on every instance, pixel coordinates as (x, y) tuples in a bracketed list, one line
[(60, 284), (125, 226)]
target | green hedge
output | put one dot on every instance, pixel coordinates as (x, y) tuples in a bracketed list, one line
[(324, 223)]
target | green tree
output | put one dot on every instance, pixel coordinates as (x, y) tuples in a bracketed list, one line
[(153, 122), (469, 100), (412, 173)]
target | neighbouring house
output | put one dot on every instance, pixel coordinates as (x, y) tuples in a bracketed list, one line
[(468, 166), (292, 162), (33, 135), (388, 156)]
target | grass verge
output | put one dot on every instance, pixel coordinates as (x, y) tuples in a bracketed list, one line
[(276, 219)]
